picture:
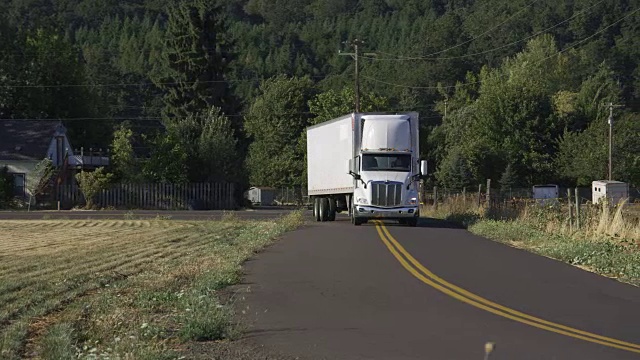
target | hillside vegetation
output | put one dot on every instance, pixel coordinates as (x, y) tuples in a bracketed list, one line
[(514, 91)]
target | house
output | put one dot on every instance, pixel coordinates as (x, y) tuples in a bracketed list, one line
[(612, 191), (24, 143)]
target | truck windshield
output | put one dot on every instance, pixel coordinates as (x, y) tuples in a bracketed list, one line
[(386, 162)]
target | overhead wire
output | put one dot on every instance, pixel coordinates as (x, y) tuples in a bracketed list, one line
[(148, 83), (426, 57), (474, 38), (537, 62)]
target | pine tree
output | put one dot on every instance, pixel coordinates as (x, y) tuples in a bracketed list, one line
[(197, 56)]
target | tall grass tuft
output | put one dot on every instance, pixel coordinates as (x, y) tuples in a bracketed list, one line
[(59, 343)]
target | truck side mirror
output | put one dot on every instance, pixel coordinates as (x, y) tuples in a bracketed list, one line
[(423, 168)]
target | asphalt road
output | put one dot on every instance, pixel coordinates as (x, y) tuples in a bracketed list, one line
[(335, 291)]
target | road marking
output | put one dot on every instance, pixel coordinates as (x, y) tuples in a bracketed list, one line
[(425, 275)]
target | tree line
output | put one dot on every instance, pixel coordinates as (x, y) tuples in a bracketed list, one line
[(223, 90)]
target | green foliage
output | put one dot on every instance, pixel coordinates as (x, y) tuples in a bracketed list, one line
[(123, 159), (276, 121), (91, 183), (508, 102), (513, 124), (197, 54), (582, 167), (210, 146), (507, 180), (331, 104), (167, 161), (217, 149), (454, 171)]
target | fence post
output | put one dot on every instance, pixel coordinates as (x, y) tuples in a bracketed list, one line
[(489, 193), (464, 197), (435, 197), (577, 210), (570, 209), (479, 193)]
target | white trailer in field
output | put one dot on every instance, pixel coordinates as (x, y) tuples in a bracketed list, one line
[(367, 164)]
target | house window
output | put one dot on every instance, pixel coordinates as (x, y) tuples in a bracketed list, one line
[(19, 185)]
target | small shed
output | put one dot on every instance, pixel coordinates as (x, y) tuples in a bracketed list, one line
[(546, 194), (261, 195), (612, 191)]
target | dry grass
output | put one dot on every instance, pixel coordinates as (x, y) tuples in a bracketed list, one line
[(119, 289), (607, 241), (596, 222)]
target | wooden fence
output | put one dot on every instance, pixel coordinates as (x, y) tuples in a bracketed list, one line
[(195, 196)]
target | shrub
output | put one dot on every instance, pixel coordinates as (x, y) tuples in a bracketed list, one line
[(91, 183)]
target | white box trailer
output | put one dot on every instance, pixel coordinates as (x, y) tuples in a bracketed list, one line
[(366, 164), (330, 146), (612, 191)]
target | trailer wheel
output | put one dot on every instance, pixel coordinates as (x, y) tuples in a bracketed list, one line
[(324, 209), (332, 209), (316, 208)]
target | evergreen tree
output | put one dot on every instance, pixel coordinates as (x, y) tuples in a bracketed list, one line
[(197, 54)]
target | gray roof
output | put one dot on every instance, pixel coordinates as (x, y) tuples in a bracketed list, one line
[(25, 139)]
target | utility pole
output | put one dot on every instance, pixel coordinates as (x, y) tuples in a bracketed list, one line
[(445, 108), (611, 106), (356, 55)]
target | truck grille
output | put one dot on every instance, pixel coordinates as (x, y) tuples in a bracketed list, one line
[(386, 194)]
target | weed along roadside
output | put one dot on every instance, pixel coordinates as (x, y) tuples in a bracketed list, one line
[(607, 242), (130, 289)]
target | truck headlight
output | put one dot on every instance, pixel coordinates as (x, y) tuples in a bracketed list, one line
[(413, 201), (362, 201)]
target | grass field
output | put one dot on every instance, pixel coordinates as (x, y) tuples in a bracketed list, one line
[(128, 289)]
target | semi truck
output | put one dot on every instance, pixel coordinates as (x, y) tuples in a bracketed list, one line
[(366, 164)]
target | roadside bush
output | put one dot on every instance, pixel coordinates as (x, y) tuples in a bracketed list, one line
[(91, 183)]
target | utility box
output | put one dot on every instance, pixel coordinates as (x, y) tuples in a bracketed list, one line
[(261, 195), (546, 194), (611, 191)]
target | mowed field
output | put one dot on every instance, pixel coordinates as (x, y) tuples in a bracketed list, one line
[(120, 288)]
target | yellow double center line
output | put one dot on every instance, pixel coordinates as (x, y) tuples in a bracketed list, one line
[(425, 275)]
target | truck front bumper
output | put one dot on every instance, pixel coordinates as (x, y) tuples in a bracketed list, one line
[(373, 212)]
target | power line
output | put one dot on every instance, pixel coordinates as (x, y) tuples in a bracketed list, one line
[(475, 38), (145, 83), (537, 62), (426, 57), (123, 84)]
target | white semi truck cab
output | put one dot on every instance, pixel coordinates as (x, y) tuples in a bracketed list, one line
[(367, 164)]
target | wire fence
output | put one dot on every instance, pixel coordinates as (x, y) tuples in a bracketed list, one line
[(571, 203)]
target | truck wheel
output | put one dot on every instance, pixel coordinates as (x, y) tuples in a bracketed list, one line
[(316, 208), (324, 209), (332, 210), (412, 222), (354, 220)]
